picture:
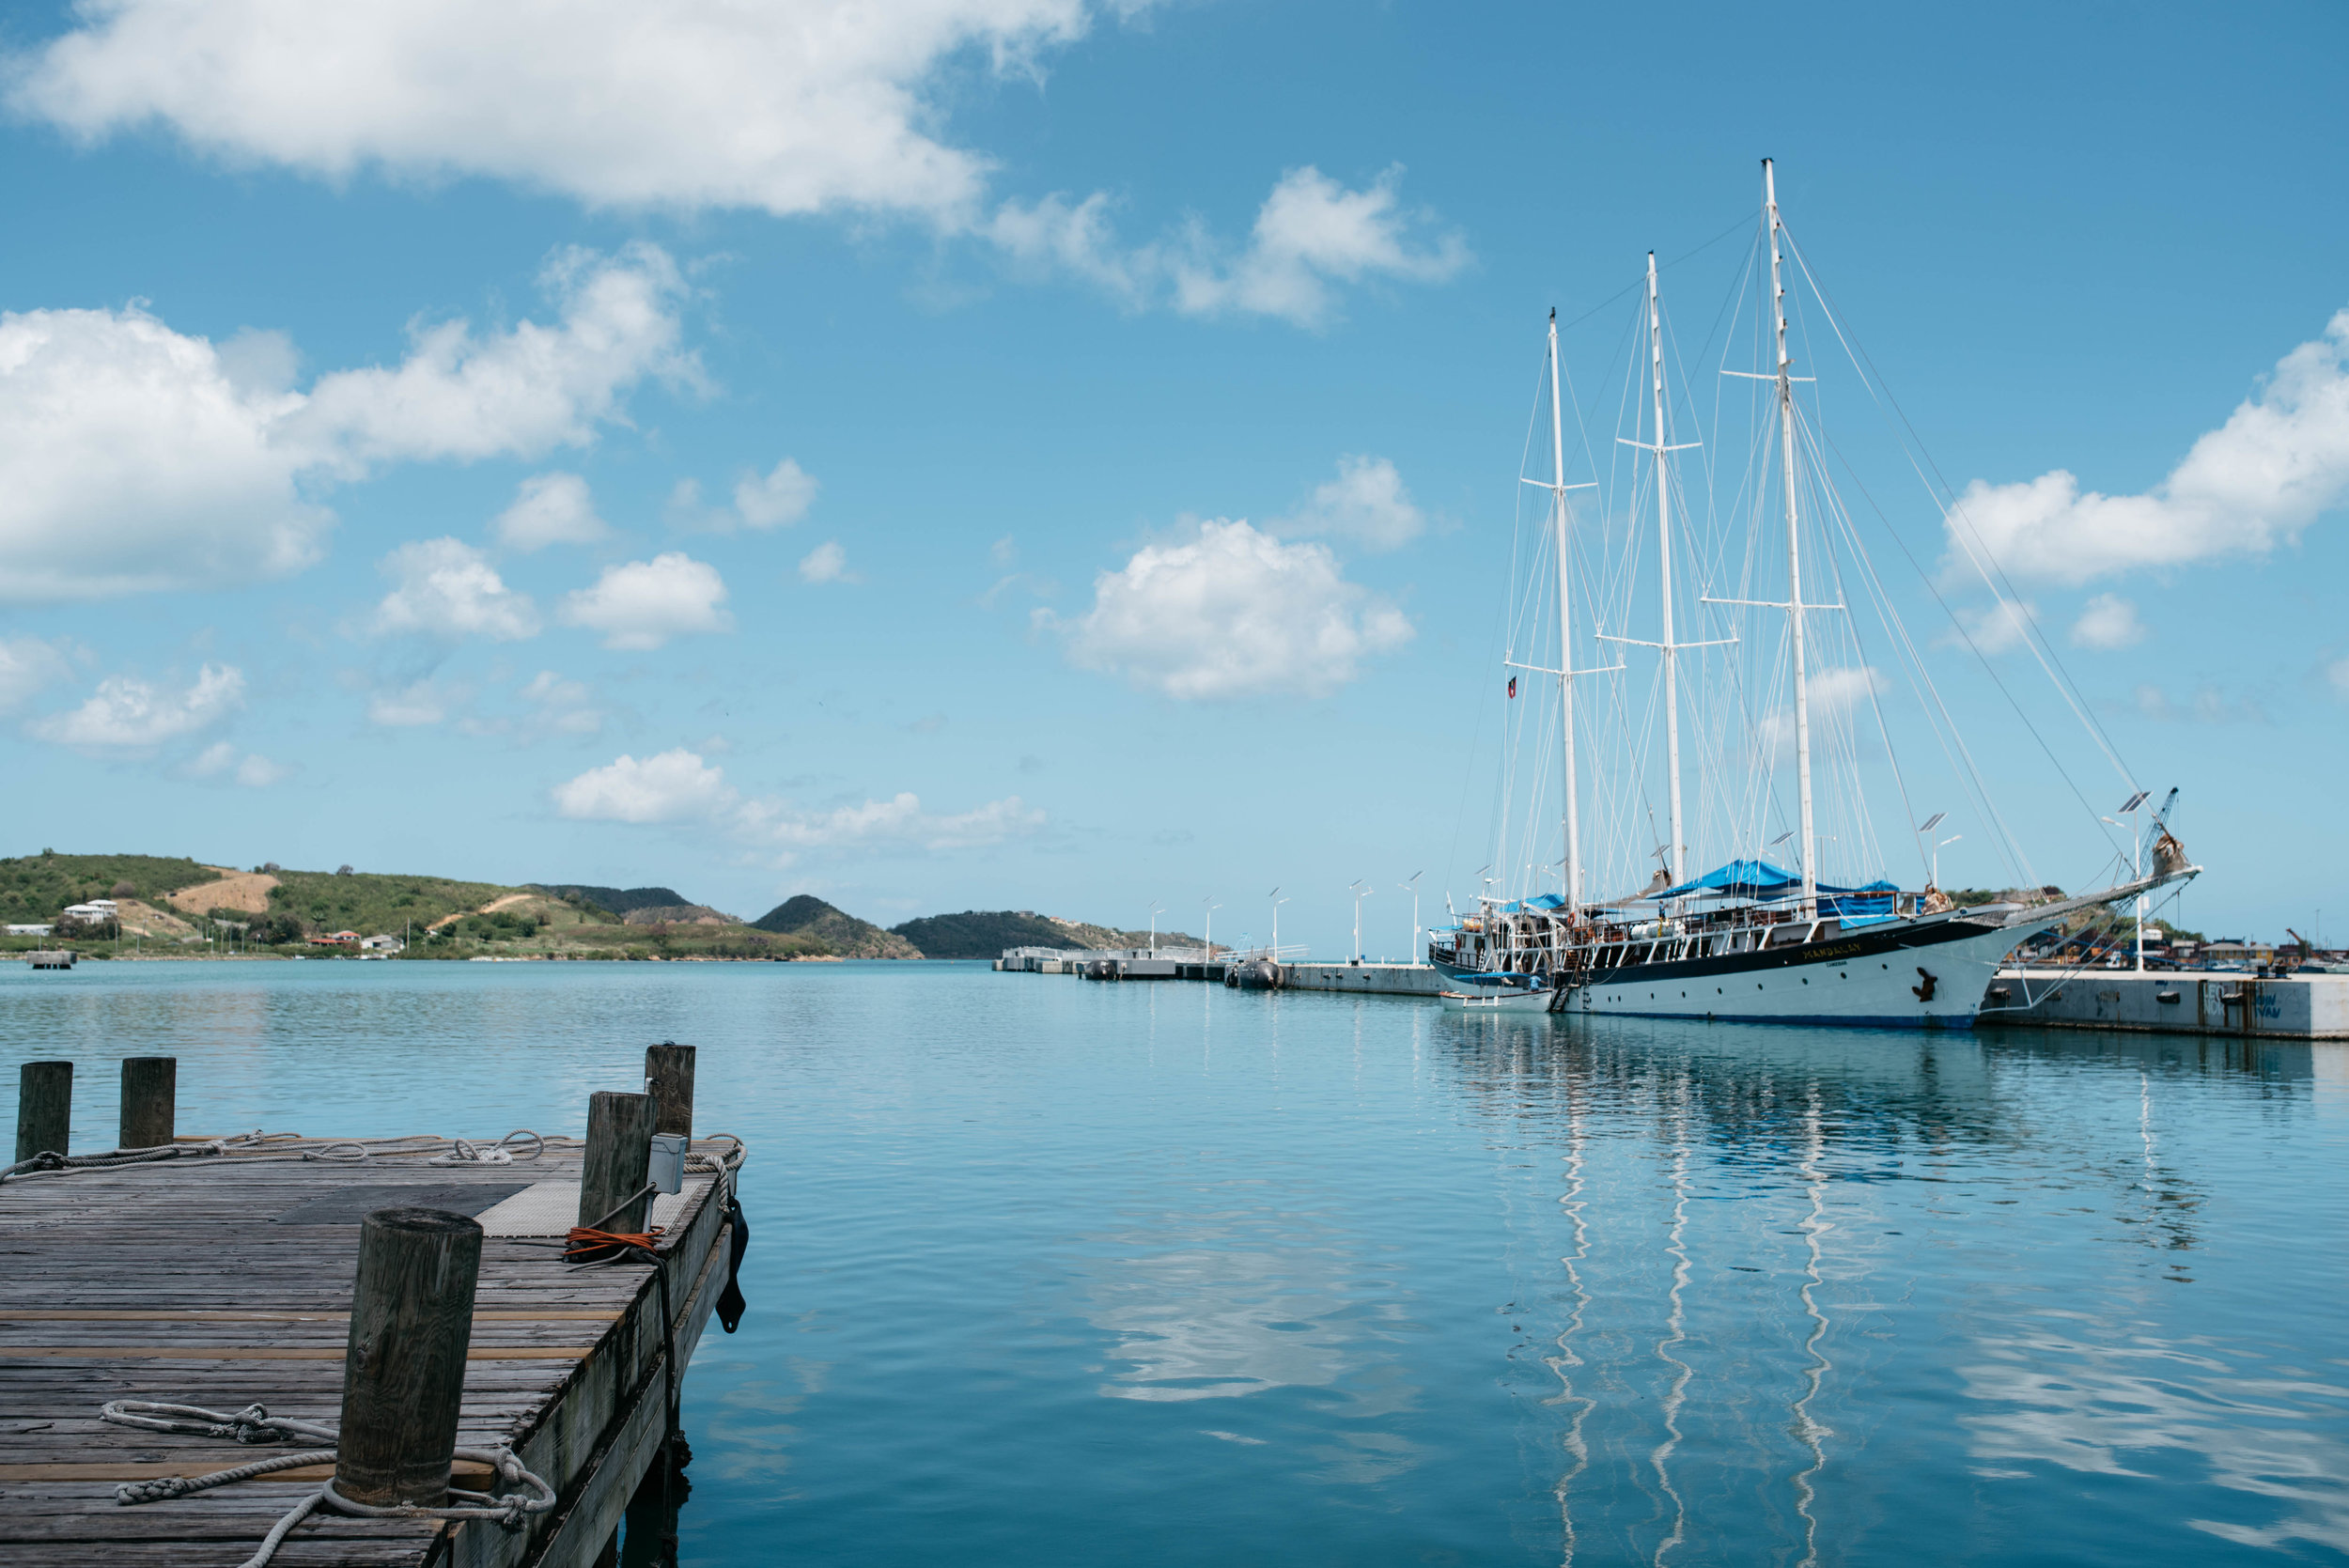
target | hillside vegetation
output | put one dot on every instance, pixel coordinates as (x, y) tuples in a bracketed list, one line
[(619, 901), (808, 917), (34, 888), (368, 902), (986, 934)]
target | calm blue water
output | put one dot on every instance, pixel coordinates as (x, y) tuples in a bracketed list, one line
[(1047, 1272)]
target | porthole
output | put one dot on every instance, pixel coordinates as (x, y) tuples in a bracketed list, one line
[(1806, 980)]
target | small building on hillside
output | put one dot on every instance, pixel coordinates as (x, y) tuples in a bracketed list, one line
[(31, 930), (382, 942)]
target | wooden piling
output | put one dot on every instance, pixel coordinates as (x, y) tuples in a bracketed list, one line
[(620, 1152), (45, 1108), (151, 1086), (404, 1372), (669, 1079)]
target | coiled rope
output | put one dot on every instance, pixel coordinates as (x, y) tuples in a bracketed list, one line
[(509, 1509)]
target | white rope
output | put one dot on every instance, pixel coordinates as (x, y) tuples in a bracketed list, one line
[(517, 1147), (509, 1509)]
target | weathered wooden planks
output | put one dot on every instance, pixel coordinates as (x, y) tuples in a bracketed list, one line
[(181, 1282)]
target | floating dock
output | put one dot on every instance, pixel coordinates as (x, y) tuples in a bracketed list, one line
[(223, 1277), (2174, 1001)]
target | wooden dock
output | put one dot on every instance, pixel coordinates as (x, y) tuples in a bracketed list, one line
[(225, 1280)]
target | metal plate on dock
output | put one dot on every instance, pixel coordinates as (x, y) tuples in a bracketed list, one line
[(551, 1208), (351, 1204)]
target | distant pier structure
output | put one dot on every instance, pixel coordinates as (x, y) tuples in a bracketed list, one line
[(1253, 969)]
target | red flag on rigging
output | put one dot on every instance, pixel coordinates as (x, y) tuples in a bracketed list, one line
[(1513, 686)]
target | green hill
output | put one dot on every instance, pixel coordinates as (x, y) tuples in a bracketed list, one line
[(986, 934), (32, 887), (619, 901), (810, 919), (368, 902), (976, 934)]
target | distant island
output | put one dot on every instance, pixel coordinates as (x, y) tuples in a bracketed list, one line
[(110, 905)]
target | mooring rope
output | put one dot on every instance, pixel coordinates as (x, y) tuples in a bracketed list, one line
[(509, 1511), (52, 1161), (517, 1147)]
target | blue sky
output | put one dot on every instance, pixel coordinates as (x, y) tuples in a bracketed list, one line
[(805, 451)]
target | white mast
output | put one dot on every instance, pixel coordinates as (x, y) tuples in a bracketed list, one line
[(1573, 864), (1793, 556), (1664, 540)]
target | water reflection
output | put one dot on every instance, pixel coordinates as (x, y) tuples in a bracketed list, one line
[(1923, 1184)]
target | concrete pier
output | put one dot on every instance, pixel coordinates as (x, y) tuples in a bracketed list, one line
[(2175, 1001), (1386, 980)]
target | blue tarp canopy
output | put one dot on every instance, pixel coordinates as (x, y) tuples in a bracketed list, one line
[(1542, 901), (1497, 979), (1872, 901), (1761, 879)]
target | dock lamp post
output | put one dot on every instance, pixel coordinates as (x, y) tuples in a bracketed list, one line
[(1156, 910), (1361, 890), (2137, 866), (1212, 907), (1926, 828), (1410, 885), (1277, 902)]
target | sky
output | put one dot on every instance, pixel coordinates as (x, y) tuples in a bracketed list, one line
[(1034, 454)]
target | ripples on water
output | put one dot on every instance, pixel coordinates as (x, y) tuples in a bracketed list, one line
[(1048, 1272)]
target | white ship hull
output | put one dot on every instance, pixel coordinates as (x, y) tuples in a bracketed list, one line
[(1925, 977)]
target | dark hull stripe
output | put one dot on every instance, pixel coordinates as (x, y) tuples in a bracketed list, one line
[(1836, 950)]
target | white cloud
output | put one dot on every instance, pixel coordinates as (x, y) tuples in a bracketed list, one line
[(680, 786), (826, 563), (446, 588), (642, 604), (2208, 705), (520, 391), (1835, 693), (28, 665), (253, 770), (1233, 613), (412, 706), (898, 822), (135, 463), (776, 498), (1991, 630), (2279, 461), (257, 772), (127, 714), (1366, 505), (550, 509), (2108, 622), (674, 787), (141, 459), (797, 107), (562, 706), (1311, 232)]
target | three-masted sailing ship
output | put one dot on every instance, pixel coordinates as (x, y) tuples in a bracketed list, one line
[(1751, 939)]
